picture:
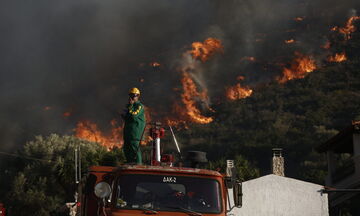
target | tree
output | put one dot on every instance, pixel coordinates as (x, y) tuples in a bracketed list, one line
[(244, 169), (46, 181)]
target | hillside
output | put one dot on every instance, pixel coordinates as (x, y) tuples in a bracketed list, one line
[(296, 116)]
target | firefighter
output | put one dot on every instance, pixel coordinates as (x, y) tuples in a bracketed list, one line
[(135, 122)]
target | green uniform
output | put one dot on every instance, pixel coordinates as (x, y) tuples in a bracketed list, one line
[(134, 126)]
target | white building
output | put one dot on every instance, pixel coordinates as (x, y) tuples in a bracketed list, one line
[(273, 195)]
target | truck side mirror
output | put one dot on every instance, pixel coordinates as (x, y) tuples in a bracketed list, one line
[(237, 190)]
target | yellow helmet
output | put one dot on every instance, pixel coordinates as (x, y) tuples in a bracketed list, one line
[(134, 91)]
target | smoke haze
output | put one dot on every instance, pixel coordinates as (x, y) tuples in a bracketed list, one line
[(81, 57)]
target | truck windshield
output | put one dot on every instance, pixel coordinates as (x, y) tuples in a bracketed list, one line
[(168, 193)]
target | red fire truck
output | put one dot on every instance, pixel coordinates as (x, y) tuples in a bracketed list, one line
[(137, 190), (158, 189)]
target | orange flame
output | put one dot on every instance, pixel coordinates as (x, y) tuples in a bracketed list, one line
[(299, 68), (155, 64), (289, 41), (339, 57), (237, 92), (335, 28), (349, 27), (189, 96), (299, 19), (89, 131), (205, 50)]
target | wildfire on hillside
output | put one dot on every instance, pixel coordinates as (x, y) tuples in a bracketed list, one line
[(238, 92), (339, 57), (300, 66), (206, 49), (289, 41), (192, 96), (349, 27), (189, 98), (155, 64), (89, 131), (194, 99), (299, 19)]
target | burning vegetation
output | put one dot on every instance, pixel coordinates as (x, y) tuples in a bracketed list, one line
[(155, 64), (205, 50), (238, 92), (194, 96), (194, 100), (290, 41), (190, 97), (349, 27), (339, 57), (299, 19), (300, 67), (89, 131)]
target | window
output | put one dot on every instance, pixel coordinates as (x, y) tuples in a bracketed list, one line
[(168, 193)]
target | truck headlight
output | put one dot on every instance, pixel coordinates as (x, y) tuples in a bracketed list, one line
[(102, 190)]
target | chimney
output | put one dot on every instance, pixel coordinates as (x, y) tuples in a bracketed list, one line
[(277, 162)]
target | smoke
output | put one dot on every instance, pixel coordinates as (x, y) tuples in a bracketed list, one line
[(81, 57)]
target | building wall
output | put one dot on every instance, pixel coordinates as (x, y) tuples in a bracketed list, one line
[(350, 181), (273, 195)]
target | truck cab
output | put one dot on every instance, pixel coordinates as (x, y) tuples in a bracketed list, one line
[(159, 190)]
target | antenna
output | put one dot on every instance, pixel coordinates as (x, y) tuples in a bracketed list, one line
[(76, 165), (77, 161), (79, 157), (174, 138)]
